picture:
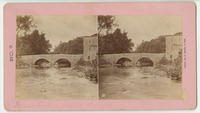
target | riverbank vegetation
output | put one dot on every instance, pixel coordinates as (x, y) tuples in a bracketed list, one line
[(172, 68), (87, 69)]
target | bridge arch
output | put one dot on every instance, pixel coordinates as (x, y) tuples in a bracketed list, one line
[(124, 61), (42, 62), (144, 61), (62, 62)]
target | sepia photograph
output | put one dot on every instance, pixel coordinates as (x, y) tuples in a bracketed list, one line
[(140, 57), (56, 57), (98, 57)]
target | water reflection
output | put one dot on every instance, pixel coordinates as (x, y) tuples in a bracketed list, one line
[(115, 83), (137, 83), (53, 83)]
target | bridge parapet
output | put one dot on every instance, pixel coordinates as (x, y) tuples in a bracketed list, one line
[(134, 57), (51, 58)]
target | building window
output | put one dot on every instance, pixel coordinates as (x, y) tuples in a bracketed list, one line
[(88, 57)]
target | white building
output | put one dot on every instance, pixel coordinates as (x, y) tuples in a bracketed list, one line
[(173, 46), (90, 47)]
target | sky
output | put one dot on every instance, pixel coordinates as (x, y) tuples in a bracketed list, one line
[(64, 28), (145, 28)]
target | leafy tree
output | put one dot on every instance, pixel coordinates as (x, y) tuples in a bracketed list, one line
[(34, 43), (111, 38), (74, 46), (117, 42), (29, 41), (24, 24), (154, 46), (105, 23)]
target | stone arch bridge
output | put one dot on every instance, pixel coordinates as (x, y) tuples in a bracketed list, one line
[(133, 57), (51, 58), (73, 59)]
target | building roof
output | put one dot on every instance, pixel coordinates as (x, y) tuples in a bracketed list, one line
[(94, 35), (176, 34)]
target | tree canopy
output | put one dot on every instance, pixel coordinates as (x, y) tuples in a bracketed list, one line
[(112, 39), (156, 45), (28, 39), (34, 43), (24, 24), (105, 24), (117, 42), (74, 46)]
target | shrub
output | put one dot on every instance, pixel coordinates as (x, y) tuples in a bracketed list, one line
[(89, 68), (176, 72), (178, 65), (164, 61)]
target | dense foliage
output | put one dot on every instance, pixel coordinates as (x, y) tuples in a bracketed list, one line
[(29, 40), (24, 24), (156, 45), (34, 43), (112, 39), (74, 46), (117, 42), (105, 24)]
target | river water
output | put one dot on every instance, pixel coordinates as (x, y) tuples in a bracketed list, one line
[(137, 83), (53, 83), (115, 83)]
